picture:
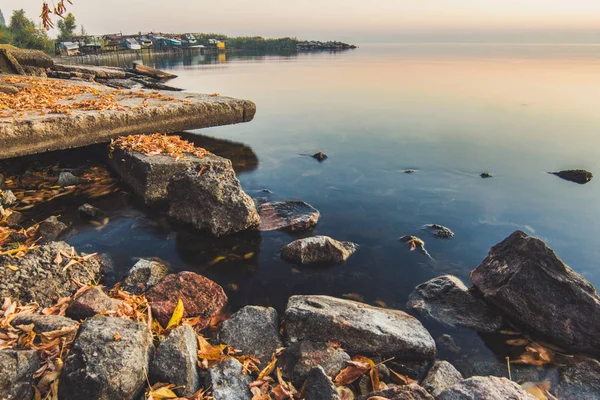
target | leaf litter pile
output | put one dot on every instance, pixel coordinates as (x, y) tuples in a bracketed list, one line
[(158, 144), (52, 96)]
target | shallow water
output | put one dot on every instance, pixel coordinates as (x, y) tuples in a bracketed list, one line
[(448, 111)]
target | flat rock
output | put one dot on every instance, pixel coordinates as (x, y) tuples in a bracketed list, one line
[(16, 374), (485, 387), (44, 323), (143, 275), (201, 298), (102, 365), (176, 360), (318, 249), (254, 330), (145, 70), (319, 386), (98, 72), (575, 175), (227, 381), (580, 381), (39, 279), (89, 303), (148, 176), (441, 376), (293, 216), (359, 328), (406, 392), (50, 229), (527, 281), (447, 300), (211, 199), (299, 358)]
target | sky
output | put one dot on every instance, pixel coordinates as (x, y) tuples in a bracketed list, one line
[(356, 21)]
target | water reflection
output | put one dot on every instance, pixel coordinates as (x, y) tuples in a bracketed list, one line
[(242, 156)]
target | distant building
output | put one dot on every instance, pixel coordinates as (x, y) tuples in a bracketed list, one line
[(69, 48)]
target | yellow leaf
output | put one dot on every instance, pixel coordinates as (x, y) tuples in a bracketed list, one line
[(177, 314), (163, 393), (268, 370), (217, 259), (12, 267), (248, 256)]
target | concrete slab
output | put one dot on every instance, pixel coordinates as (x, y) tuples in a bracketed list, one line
[(39, 130)]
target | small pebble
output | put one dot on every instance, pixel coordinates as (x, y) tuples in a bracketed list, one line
[(320, 156), (486, 175)]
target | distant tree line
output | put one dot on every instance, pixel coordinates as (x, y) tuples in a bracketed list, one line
[(250, 42)]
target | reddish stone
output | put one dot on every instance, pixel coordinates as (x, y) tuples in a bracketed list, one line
[(201, 298)]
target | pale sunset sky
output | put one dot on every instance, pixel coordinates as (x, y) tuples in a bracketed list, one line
[(357, 21)]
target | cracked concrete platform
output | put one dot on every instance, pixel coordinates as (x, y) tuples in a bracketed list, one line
[(30, 132)]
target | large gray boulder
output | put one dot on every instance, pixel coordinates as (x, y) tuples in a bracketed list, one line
[(254, 330), (317, 250), (359, 328), (148, 176), (143, 275), (41, 279), (176, 360), (299, 358), (16, 373), (441, 376), (485, 387), (447, 300), (319, 386), (227, 382), (108, 360), (527, 281), (211, 198)]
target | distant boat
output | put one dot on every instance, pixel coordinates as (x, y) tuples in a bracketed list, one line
[(172, 42), (131, 44), (145, 42), (188, 40)]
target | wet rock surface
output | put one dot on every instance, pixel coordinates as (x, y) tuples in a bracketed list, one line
[(299, 358), (293, 216), (448, 301), (320, 156), (575, 175), (406, 392), (211, 199), (68, 179), (148, 176), (525, 279), (89, 303), (40, 279), (176, 360), (88, 211), (441, 376), (100, 366), (488, 387), (201, 298), (319, 386), (580, 381), (440, 231), (227, 381), (50, 229), (16, 374), (143, 275), (359, 328), (486, 175), (254, 330), (318, 250)]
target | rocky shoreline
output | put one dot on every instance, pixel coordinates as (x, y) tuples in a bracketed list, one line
[(159, 334)]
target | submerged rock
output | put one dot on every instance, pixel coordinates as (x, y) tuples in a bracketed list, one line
[(410, 171), (406, 392), (441, 376), (68, 179), (254, 330), (575, 175), (50, 229), (176, 360), (39, 278), (148, 176), (485, 387), (486, 175), (16, 374), (89, 303), (319, 386), (525, 280), (320, 156), (89, 211), (108, 360), (201, 298), (211, 199), (318, 249), (447, 300), (227, 382), (293, 216), (299, 358), (143, 275), (440, 231), (359, 328)]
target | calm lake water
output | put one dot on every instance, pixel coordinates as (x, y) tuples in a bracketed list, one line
[(448, 111)]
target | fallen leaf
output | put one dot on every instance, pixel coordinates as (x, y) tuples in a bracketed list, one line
[(177, 314)]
